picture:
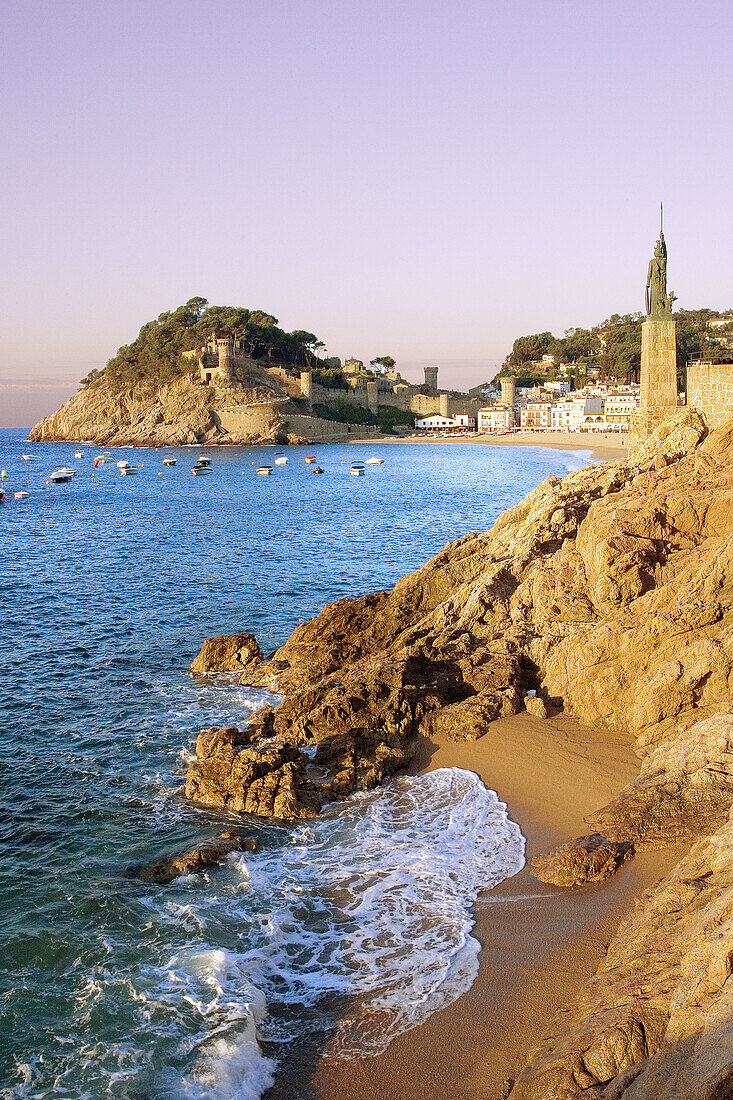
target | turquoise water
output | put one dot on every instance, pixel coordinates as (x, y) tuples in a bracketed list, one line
[(112, 987)]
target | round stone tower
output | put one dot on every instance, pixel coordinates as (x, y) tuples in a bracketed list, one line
[(225, 351), (431, 379), (373, 397), (306, 386)]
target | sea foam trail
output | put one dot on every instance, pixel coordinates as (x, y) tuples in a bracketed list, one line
[(345, 931), (362, 922)]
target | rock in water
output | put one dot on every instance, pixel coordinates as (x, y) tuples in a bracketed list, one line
[(269, 781), (587, 859), (198, 859), (227, 653)]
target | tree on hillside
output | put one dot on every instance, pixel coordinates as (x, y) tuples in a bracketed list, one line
[(384, 362)]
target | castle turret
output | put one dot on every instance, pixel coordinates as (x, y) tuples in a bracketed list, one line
[(443, 406), (508, 390), (225, 351), (431, 379), (306, 386), (373, 397)]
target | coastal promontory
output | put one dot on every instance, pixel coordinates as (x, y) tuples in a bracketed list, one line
[(607, 596)]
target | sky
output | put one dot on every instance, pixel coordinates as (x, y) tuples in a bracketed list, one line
[(423, 180)]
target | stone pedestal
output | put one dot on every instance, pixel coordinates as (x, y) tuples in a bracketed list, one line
[(658, 398)]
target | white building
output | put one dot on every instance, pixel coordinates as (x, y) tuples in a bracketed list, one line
[(619, 406), (429, 423), (496, 418)]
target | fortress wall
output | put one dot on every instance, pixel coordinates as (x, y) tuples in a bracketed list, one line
[(261, 420), (710, 391)]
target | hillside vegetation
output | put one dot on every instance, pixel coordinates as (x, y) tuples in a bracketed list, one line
[(154, 358), (614, 346)]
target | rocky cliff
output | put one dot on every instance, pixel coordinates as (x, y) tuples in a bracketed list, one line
[(179, 412), (610, 594)]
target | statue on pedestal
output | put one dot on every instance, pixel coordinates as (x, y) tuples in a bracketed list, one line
[(658, 303)]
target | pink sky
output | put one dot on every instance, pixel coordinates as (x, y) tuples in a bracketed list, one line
[(423, 180)]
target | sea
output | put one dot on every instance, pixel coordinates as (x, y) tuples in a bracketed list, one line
[(341, 932)]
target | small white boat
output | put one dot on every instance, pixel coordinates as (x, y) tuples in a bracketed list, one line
[(200, 468), (169, 461), (78, 454), (20, 496), (281, 460), (310, 458), (203, 460), (357, 469), (375, 462), (128, 469), (123, 464), (29, 458), (60, 475), (264, 470)]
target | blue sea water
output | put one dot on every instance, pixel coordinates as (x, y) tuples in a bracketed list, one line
[(111, 987)]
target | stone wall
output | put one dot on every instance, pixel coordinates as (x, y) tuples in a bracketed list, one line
[(710, 391), (252, 420)]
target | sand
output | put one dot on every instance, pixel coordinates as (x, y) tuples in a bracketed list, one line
[(539, 943), (604, 447)]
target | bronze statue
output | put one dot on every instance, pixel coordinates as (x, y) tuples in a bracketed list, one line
[(658, 302)]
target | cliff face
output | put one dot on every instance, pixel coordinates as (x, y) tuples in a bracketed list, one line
[(182, 411), (609, 593)]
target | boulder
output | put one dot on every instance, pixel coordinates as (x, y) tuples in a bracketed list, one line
[(268, 782), (536, 706), (198, 859), (227, 653), (587, 859)]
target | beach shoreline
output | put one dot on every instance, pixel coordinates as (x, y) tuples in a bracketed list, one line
[(539, 943), (604, 447)]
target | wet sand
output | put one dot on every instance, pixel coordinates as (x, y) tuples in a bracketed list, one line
[(539, 943)]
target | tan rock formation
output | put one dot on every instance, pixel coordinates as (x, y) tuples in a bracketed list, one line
[(588, 859), (609, 593)]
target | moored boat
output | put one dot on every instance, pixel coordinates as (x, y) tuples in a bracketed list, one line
[(264, 470), (168, 460), (375, 462), (60, 475), (357, 469), (21, 495), (281, 459), (310, 458), (29, 458), (317, 470), (78, 454), (128, 469), (123, 464), (200, 468), (203, 460)]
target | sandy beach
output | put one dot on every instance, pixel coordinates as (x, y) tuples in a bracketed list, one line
[(604, 447), (539, 943)]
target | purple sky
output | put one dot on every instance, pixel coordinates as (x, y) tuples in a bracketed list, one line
[(425, 180)]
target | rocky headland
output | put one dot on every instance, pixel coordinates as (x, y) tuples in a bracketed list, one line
[(182, 411), (607, 595)]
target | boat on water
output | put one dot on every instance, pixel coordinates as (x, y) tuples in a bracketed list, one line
[(60, 475), (201, 468), (281, 459), (357, 469), (123, 464), (128, 469), (264, 470), (375, 462), (310, 458), (168, 460), (203, 460), (20, 496), (317, 470), (2, 496), (78, 454), (29, 458)]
